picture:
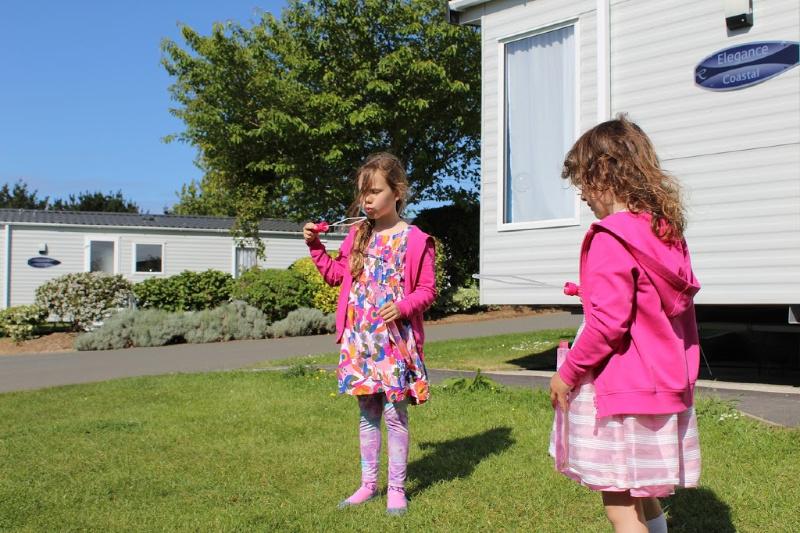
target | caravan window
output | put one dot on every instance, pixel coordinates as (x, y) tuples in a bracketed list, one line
[(101, 256), (149, 257), (539, 114)]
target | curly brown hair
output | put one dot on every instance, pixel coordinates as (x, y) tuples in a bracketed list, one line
[(393, 171), (618, 155)]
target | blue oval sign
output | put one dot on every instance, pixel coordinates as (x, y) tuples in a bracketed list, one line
[(744, 65), (43, 262)]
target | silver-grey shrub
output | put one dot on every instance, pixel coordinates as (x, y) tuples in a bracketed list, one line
[(115, 333), (304, 321), (232, 321), (156, 327), (84, 298)]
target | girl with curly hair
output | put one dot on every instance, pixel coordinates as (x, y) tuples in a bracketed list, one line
[(624, 393)]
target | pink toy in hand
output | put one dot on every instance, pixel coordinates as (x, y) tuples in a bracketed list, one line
[(324, 227), (571, 289)]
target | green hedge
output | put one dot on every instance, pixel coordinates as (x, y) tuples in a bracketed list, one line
[(443, 285), (20, 322), (457, 226), (276, 292), (323, 296), (187, 291)]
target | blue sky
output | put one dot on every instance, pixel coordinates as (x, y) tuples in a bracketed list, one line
[(83, 97)]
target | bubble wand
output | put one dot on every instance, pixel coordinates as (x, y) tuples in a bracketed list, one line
[(324, 227)]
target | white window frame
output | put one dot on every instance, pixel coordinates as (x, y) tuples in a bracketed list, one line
[(501, 131), (153, 243), (87, 249)]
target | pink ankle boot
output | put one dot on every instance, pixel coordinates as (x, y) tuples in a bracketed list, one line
[(365, 492), (396, 503)]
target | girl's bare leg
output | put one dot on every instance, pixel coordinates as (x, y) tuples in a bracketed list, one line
[(651, 507), (656, 521), (625, 512)]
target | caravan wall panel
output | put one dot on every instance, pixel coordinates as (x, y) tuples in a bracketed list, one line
[(737, 153)]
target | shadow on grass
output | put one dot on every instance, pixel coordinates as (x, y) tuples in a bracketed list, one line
[(456, 458), (698, 510), (545, 360)]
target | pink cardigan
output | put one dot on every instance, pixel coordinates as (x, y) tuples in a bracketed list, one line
[(640, 338), (419, 278)]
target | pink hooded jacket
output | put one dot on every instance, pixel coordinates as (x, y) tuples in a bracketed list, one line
[(640, 336), (419, 285)]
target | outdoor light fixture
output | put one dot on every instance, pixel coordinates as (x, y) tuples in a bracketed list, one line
[(43, 248), (738, 14)]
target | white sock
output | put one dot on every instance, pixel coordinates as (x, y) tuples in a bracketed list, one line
[(657, 524)]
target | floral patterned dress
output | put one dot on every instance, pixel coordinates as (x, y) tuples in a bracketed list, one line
[(376, 357)]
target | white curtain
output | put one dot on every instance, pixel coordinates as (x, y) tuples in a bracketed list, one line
[(540, 126), (101, 256), (245, 258)]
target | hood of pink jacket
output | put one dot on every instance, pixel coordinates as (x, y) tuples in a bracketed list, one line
[(668, 267)]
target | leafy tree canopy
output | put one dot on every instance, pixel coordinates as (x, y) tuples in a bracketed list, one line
[(283, 112), (19, 197), (96, 201)]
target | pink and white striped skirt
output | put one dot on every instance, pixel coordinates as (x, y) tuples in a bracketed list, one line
[(648, 455)]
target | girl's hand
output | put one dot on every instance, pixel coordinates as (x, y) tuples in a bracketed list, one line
[(559, 392), (310, 232), (389, 312)]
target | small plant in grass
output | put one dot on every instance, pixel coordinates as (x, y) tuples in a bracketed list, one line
[(478, 383), (299, 370), (20, 322), (720, 411)]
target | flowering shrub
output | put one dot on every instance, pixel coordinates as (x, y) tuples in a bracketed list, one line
[(84, 298)]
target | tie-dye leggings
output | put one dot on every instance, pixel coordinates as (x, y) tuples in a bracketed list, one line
[(372, 407)]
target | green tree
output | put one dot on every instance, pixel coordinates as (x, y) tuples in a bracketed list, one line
[(458, 227), (19, 197), (96, 201), (284, 111), (204, 198)]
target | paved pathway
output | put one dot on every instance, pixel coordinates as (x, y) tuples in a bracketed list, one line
[(775, 404), (20, 372)]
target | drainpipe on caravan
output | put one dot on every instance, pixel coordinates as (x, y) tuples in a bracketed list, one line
[(603, 61), (7, 268)]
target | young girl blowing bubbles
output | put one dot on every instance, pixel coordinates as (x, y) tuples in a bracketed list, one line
[(626, 386), (386, 271)]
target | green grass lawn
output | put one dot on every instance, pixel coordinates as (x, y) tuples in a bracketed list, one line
[(514, 351), (263, 451)]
